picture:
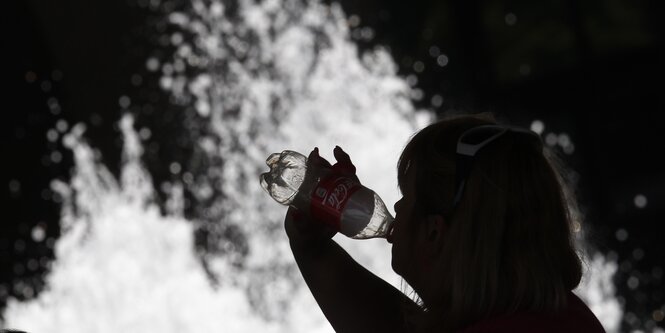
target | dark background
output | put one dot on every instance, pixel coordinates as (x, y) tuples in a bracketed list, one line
[(592, 69)]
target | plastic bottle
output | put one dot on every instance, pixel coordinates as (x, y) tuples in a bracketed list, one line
[(335, 198)]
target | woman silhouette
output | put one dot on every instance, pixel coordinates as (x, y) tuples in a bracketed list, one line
[(484, 234)]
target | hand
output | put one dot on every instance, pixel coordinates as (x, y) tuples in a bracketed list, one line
[(343, 166), (300, 227)]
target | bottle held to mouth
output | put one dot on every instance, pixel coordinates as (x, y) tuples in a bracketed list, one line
[(330, 194)]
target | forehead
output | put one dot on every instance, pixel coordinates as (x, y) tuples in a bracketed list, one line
[(407, 179)]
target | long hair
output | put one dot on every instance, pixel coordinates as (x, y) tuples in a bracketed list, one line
[(510, 242)]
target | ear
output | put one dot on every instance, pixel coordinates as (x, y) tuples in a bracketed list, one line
[(436, 228)]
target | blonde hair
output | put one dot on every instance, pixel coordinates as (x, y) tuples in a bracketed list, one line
[(510, 242)]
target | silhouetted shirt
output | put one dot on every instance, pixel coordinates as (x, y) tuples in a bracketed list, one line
[(576, 318)]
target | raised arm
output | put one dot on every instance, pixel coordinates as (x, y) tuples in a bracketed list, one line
[(351, 297)]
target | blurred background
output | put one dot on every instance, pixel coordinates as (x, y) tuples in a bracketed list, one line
[(589, 72)]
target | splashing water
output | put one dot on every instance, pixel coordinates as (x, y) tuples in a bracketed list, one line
[(121, 266), (262, 77), (598, 291)]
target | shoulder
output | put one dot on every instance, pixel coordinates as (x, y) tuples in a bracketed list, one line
[(577, 317)]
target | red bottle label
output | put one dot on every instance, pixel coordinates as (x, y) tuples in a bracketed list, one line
[(330, 197)]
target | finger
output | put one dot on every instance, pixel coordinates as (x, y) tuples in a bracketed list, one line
[(313, 154), (316, 160), (344, 160)]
